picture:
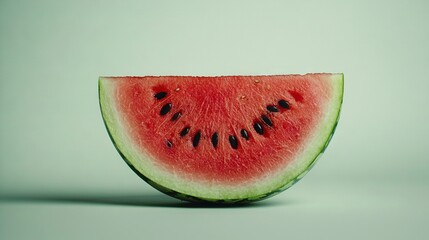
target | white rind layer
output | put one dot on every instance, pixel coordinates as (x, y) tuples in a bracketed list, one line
[(166, 180)]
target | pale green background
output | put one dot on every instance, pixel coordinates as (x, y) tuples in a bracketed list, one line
[(61, 178)]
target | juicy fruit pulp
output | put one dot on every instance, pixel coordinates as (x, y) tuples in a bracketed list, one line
[(221, 138)]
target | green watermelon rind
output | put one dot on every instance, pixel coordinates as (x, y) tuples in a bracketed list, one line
[(324, 136)]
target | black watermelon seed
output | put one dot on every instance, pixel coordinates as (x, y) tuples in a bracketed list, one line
[(165, 109), (215, 139), (176, 116), (258, 128), (233, 141), (284, 104), (169, 144), (267, 120), (196, 139), (244, 134), (185, 131), (272, 108), (160, 95)]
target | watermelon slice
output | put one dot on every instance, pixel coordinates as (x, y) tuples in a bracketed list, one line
[(221, 139)]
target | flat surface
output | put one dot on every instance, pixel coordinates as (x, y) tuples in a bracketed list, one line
[(61, 178), (341, 211)]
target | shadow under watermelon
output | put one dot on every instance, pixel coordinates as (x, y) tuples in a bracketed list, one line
[(132, 200)]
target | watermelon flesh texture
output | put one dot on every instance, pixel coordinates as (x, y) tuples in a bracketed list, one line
[(221, 139)]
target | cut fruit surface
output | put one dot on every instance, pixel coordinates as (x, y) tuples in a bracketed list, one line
[(221, 139)]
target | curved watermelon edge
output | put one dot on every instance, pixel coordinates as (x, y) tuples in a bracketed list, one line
[(195, 199)]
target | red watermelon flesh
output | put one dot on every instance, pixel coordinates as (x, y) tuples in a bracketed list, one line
[(221, 138)]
